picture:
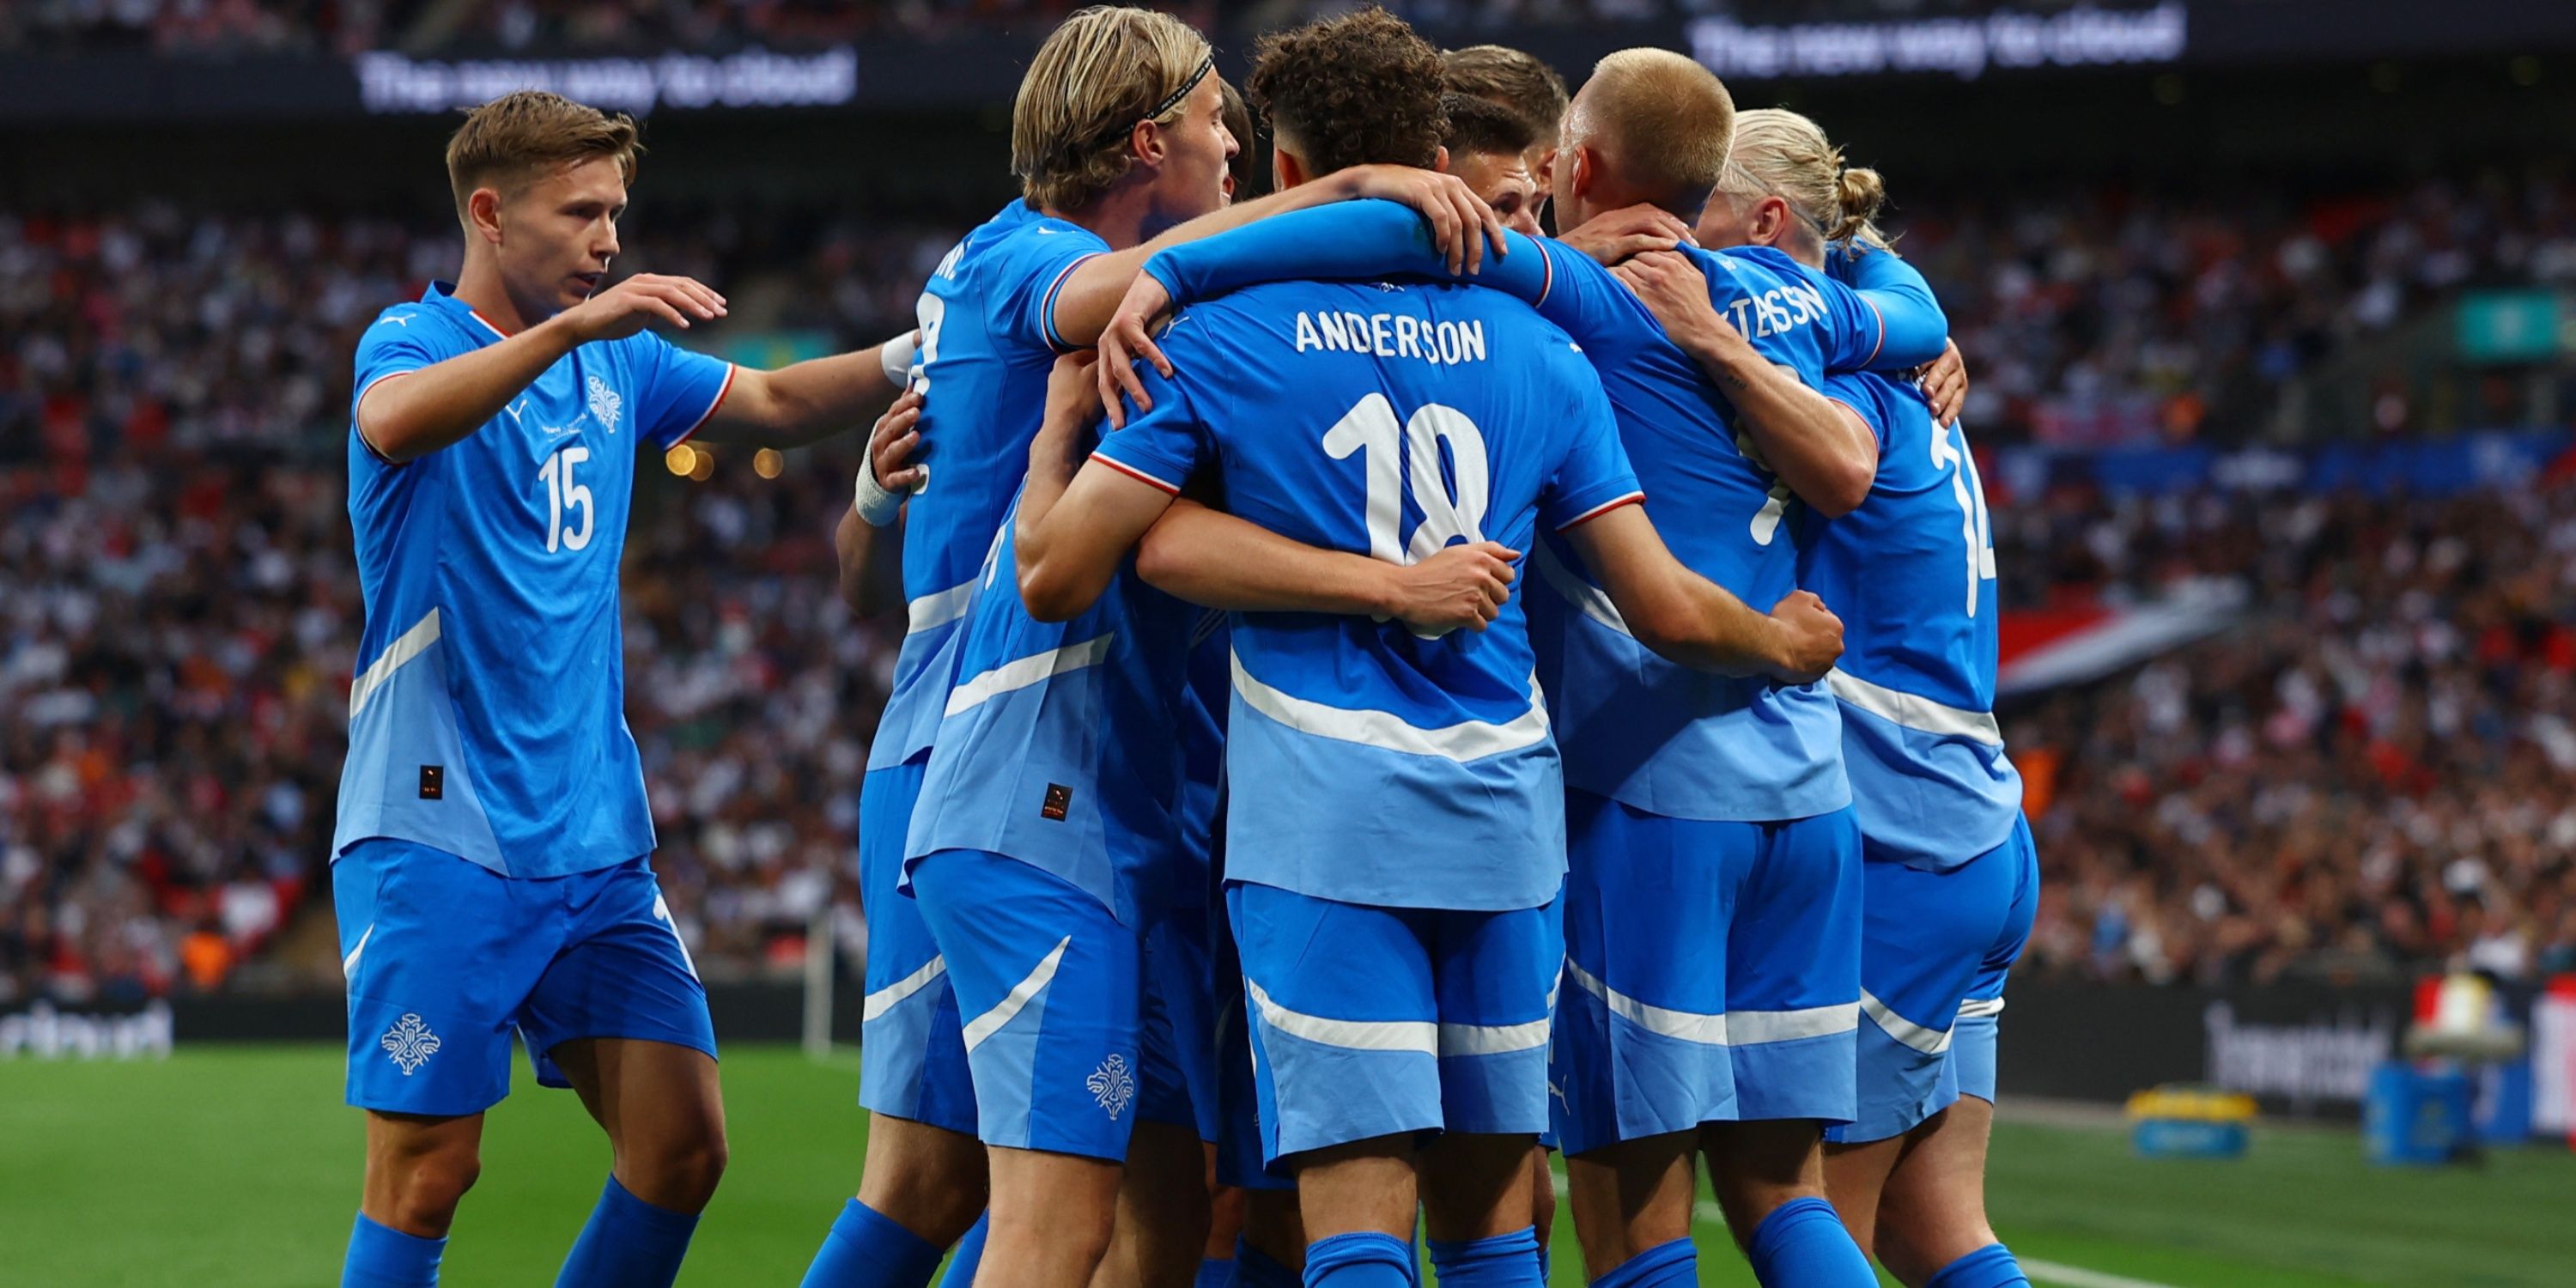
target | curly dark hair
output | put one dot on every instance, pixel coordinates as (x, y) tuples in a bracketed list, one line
[(1361, 89)]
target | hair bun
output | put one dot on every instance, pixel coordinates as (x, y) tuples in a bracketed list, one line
[(1859, 192)]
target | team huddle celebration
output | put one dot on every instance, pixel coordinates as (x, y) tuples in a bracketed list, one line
[(1459, 686)]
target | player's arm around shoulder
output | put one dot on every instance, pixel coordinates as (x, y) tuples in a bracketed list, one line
[(1821, 448), (1462, 227), (1691, 620), (1078, 517), (441, 403)]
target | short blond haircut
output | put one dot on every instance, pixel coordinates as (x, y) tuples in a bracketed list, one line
[(1664, 122), (1105, 69), (1781, 153), (516, 137)]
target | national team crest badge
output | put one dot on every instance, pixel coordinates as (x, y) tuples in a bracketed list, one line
[(605, 404), (410, 1043), (1112, 1085)]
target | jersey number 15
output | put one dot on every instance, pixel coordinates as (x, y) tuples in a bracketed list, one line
[(563, 494)]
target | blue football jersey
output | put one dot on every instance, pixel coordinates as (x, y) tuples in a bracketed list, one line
[(1205, 698), (1654, 734), (488, 716), (1363, 763), (1912, 573), (988, 338), (1057, 747)]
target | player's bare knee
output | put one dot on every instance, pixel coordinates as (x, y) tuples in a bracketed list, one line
[(933, 1191), (927, 1179), (423, 1186), (1914, 1242), (692, 1174), (678, 1172), (1900, 1255), (1274, 1227), (1542, 1197)]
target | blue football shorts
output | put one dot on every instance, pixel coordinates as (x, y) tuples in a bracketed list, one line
[(445, 958), (1712, 972), (1176, 1039), (1936, 947), (1972, 1046), (912, 1052), (1052, 986), (1370, 1021), (1239, 1160)]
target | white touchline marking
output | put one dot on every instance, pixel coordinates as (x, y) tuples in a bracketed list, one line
[(2077, 1276)]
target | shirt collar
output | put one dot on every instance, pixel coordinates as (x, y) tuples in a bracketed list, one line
[(442, 296)]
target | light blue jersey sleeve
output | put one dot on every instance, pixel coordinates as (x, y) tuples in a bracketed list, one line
[(1866, 399), (1164, 446), (400, 341), (1910, 325), (1362, 240), (1031, 270), (680, 389), (1594, 476)]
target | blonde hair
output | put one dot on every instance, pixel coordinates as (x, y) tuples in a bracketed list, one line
[(511, 138), (1665, 120), (1780, 153), (1105, 69)]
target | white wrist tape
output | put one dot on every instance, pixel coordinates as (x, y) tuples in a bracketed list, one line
[(877, 507), (896, 355)]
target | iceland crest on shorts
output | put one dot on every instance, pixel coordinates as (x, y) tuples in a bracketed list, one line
[(1112, 1085), (410, 1043)]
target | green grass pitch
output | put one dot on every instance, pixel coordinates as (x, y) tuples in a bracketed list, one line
[(239, 1166)]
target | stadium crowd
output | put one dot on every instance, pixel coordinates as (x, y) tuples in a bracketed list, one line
[(179, 614), (2100, 315), (178, 610), (2375, 769)]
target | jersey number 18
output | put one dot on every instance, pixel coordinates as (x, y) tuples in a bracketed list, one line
[(1371, 428)]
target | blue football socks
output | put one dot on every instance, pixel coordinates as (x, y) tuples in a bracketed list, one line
[(1991, 1266), (969, 1254), (384, 1257), (1802, 1244), (628, 1243), (1665, 1265), (1215, 1274), (1365, 1259), (1501, 1261), (866, 1249)]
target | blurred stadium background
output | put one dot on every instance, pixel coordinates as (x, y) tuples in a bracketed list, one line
[(2270, 307)]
